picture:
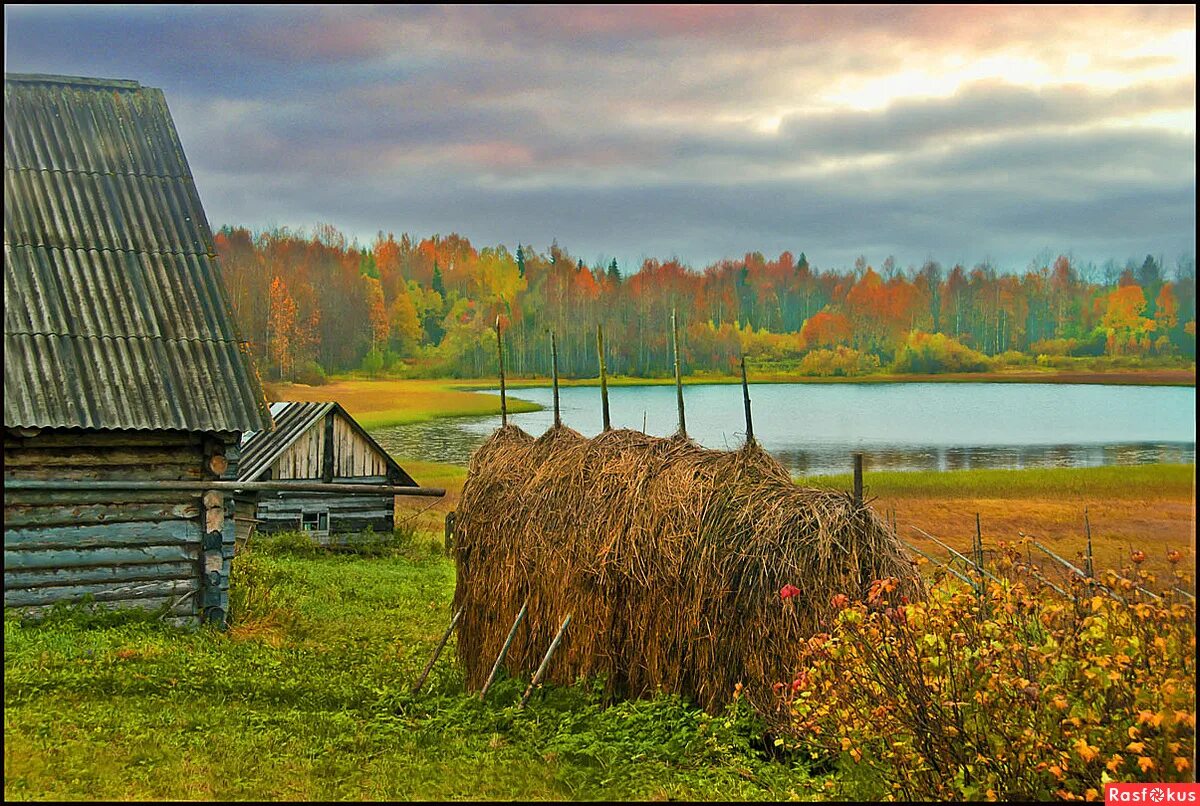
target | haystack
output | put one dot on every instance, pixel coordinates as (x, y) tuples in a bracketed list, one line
[(669, 557)]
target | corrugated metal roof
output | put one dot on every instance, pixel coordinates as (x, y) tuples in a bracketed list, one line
[(114, 312), (260, 449)]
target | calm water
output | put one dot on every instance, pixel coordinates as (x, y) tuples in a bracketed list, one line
[(812, 429)]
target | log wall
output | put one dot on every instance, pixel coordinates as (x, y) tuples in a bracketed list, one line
[(149, 549)]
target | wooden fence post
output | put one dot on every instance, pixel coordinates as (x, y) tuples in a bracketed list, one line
[(678, 376), (858, 479), (503, 395), (746, 402), (603, 377)]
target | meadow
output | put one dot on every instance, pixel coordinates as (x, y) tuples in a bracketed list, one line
[(308, 697)]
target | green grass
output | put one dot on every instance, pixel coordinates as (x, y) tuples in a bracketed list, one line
[(309, 698), (1114, 481)]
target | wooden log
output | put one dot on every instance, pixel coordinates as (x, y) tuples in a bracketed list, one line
[(74, 439), (67, 515), (107, 535), (64, 494), (746, 402), (111, 573), (87, 558), (503, 394), (603, 377), (678, 375), (441, 645), (512, 633), (166, 472), (178, 610), (99, 593), (202, 486), (63, 457), (541, 670), (214, 511), (554, 371), (218, 464)]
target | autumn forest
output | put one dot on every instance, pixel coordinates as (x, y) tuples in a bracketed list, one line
[(315, 303)]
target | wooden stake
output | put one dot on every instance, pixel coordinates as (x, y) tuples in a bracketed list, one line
[(746, 401), (503, 395), (512, 633), (603, 377), (858, 479), (441, 645), (554, 370), (678, 376), (537, 677), (1090, 567)]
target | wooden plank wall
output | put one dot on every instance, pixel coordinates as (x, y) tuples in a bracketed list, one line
[(281, 512), (117, 548)]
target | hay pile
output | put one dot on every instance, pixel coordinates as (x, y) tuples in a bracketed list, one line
[(670, 558)]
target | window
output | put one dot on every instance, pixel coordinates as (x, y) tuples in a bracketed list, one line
[(314, 521)]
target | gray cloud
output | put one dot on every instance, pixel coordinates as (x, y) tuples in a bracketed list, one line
[(631, 131)]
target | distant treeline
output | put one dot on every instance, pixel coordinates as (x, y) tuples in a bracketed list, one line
[(314, 303)]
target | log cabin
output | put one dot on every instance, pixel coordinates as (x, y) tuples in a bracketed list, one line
[(123, 372), (317, 442)]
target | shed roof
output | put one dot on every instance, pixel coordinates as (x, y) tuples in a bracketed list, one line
[(260, 449), (115, 316)]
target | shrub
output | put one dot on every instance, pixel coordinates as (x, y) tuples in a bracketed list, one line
[(1093, 346), (937, 352), (312, 374), (1009, 694), (840, 361)]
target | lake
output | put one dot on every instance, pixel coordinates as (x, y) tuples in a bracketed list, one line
[(814, 428)]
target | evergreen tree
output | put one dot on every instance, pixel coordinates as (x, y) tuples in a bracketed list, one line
[(520, 261), (438, 284), (614, 273)]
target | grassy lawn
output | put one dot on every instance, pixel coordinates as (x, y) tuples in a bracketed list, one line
[(309, 698), (378, 404)]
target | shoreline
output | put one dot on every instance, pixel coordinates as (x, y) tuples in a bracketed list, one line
[(1155, 377)]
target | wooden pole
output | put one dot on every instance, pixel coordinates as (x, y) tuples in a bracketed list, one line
[(537, 677), (746, 402), (503, 394), (1090, 566), (603, 377), (554, 371), (512, 633), (678, 375), (858, 479), (978, 543), (441, 645)]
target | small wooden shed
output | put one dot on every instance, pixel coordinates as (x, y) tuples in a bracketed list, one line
[(125, 381), (319, 442)]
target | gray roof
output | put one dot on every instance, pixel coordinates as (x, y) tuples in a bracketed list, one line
[(115, 316), (260, 449)]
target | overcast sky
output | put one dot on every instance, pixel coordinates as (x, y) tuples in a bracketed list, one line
[(954, 132)]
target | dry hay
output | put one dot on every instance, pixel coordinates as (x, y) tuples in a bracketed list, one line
[(669, 557)]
